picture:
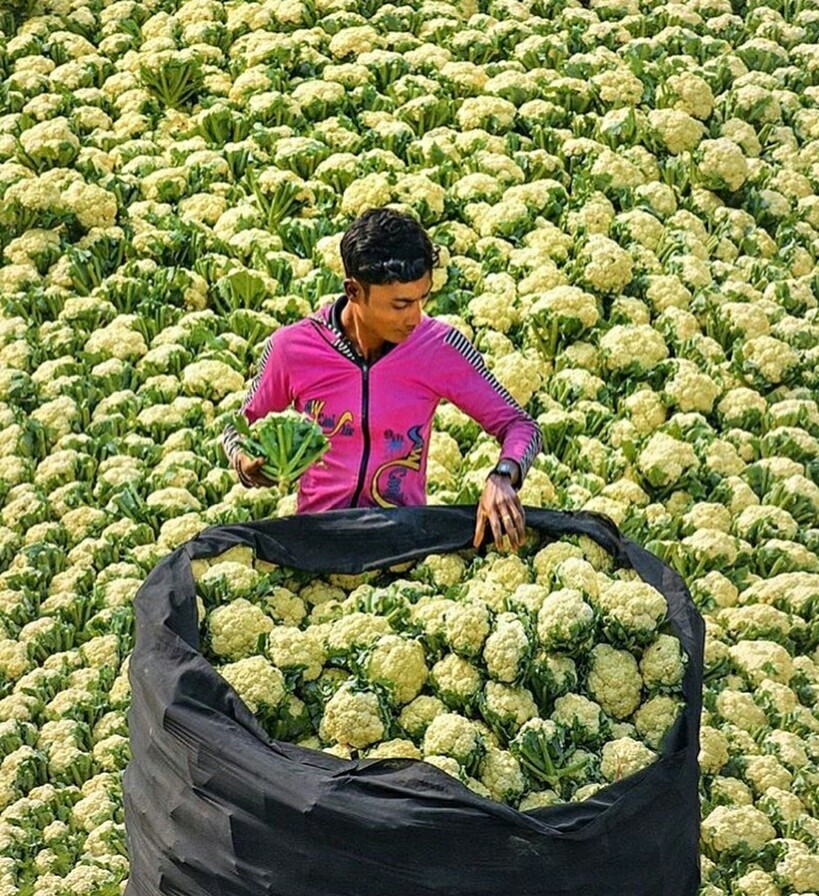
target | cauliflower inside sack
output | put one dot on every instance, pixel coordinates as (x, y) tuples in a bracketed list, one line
[(533, 679)]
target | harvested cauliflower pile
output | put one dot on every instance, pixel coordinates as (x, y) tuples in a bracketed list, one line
[(534, 678)]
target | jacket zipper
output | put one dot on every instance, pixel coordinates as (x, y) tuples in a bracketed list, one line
[(365, 431)]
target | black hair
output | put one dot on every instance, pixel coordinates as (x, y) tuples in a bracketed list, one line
[(385, 245)]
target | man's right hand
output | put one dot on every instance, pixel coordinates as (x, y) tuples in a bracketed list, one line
[(249, 471)]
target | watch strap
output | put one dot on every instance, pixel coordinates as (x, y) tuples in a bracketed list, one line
[(510, 469)]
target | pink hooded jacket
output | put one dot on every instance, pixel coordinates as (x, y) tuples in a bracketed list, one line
[(378, 415)]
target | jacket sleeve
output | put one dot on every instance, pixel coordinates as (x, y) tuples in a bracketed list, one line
[(268, 392), (469, 384)]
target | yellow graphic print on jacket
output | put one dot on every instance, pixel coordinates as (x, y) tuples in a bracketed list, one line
[(396, 470), (329, 425)]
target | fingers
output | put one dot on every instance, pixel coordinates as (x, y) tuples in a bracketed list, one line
[(257, 477), (480, 528), (502, 508), (509, 529), (250, 464), (515, 525), (261, 479), (495, 524), (492, 518), (507, 523), (249, 469)]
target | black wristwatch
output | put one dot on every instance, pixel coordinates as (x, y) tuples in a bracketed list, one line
[(507, 468)]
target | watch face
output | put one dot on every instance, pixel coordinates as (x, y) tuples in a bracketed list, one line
[(504, 469)]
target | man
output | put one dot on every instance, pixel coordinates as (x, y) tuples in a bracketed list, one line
[(371, 369)]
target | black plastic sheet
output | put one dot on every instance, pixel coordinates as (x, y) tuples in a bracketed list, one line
[(214, 806)]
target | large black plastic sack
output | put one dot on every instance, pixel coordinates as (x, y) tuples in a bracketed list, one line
[(214, 806)]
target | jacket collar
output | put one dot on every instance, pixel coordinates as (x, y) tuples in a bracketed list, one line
[(330, 317)]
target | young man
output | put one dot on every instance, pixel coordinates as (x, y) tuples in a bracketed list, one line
[(371, 369)]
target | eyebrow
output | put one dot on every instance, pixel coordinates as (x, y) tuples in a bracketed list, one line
[(406, 299)]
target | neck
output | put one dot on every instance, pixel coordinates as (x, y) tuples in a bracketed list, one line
[(366, 343)]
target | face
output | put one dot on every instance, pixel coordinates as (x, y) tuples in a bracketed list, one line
[(393, 310)]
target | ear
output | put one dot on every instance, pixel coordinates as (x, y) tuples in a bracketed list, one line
[(353, 290)]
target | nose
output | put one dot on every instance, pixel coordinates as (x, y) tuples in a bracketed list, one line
[(414, 314)]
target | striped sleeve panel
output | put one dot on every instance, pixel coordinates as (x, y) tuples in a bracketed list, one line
[(534, 448), (230, 443), (466, 349), (461, 344), (257, 380), (231, 440)]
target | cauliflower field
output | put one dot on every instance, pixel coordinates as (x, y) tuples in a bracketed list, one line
[(626, 194)]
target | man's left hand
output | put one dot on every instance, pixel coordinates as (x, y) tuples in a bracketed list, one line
[(501, 508)]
